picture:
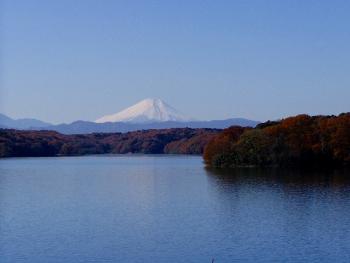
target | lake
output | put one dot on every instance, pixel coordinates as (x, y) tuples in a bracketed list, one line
[(169, 209)]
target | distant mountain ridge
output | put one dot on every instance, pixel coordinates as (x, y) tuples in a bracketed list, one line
[(22, 124), (84, 127), (145, 115)]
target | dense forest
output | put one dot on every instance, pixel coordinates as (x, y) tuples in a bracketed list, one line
[(303, 140), (15, 143)]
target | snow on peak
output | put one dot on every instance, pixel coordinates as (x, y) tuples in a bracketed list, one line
[(148, 110)]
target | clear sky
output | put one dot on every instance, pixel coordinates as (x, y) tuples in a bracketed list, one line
[(67, 60)]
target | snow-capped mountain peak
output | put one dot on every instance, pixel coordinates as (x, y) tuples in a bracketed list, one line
[(148, 110)]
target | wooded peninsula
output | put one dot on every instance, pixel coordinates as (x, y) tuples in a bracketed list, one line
[(300, 141)]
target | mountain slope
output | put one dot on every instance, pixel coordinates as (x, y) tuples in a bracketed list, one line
[(146, 111), (22, 124)]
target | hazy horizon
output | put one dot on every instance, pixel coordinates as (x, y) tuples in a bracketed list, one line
[(193, 119), (65, 61)]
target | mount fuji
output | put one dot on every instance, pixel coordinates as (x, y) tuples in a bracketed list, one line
[(146, 114), (146, 111)]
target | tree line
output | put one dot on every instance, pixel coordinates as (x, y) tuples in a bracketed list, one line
[(301, 141), (16, 143)]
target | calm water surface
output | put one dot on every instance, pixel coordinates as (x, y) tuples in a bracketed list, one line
[(169, 209)]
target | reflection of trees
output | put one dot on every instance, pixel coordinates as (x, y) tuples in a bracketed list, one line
[(287, 178), (287, 205)]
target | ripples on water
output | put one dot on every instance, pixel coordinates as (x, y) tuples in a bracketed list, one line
[(169, 209)]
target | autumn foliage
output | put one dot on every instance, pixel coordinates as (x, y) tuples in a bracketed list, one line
[(49, 143), (295, 141)]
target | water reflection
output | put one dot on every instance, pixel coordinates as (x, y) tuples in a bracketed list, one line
[(169, 209), (296, 215), (289, 178)]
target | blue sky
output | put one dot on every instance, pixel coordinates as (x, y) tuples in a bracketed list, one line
[(67, 60)]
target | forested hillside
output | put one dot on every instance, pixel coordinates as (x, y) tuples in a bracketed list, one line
[(49, 143), (295, 141)]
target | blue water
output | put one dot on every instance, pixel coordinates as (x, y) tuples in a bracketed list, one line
[(169, 209)]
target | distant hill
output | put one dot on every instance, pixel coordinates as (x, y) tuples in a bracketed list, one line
[(22, 124), (83, 127), (16, 143)]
